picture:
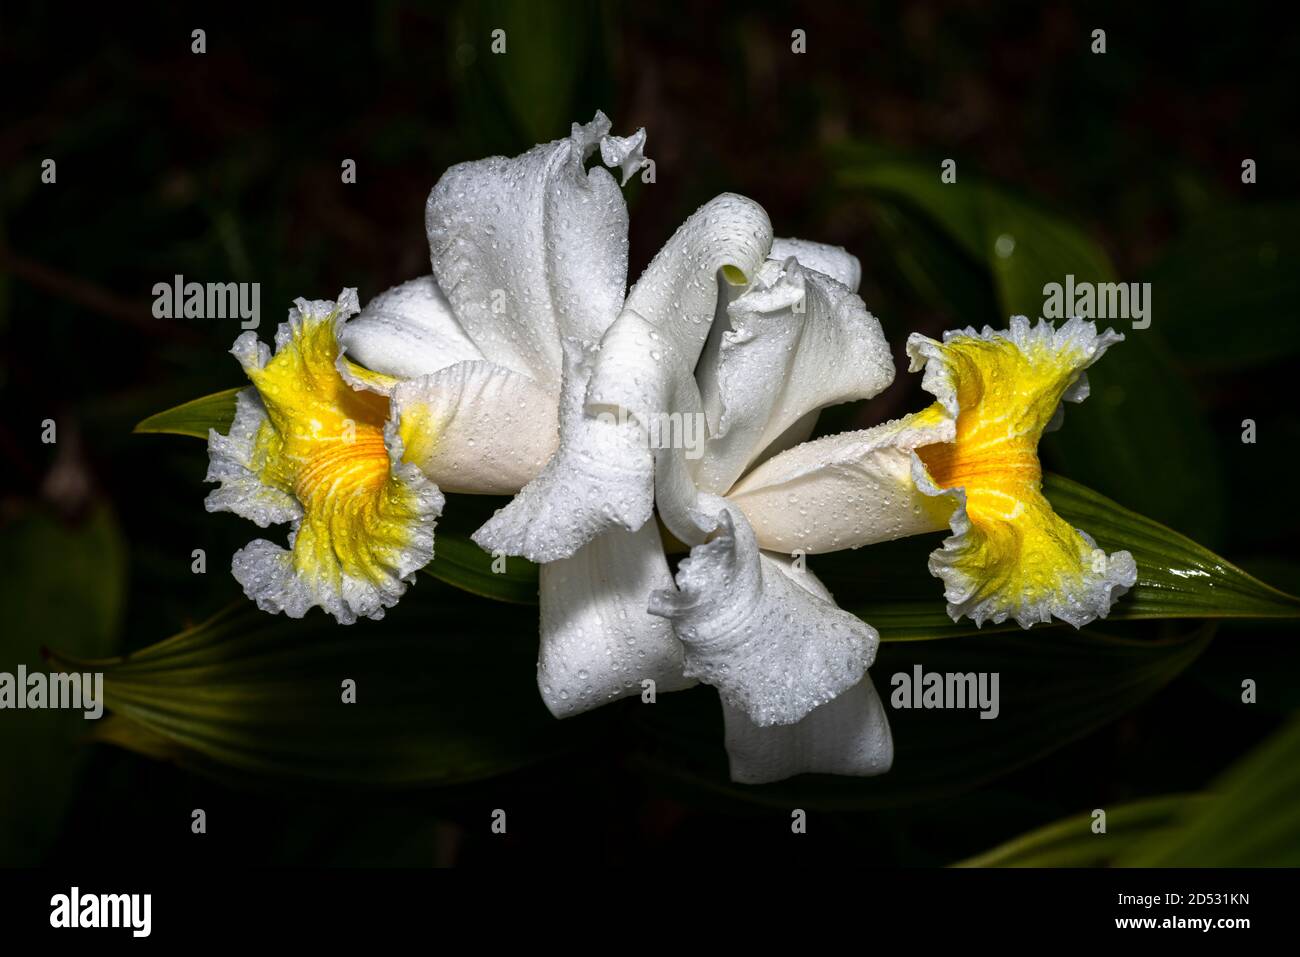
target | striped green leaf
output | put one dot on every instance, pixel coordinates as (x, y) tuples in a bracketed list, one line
[(1249, 818), (462, 564), (1072, 842), (445, 693)]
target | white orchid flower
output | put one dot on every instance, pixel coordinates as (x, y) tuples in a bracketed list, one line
[(758, 345), (969, 462), (519, 366), (354, 426), (754, 337)]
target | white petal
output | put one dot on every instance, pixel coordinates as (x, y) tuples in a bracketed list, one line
[(849, 735), (408, 331), (845, 490), (677, 463), (677, 497), (796, 434), (834, 261), (477, 427), (531, 249), (600, 477), (771, 647), (797, 341), (647, 357), (598, 641)]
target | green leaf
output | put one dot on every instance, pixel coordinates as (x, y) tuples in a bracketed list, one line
[(1177, 578), (1252, 818), (1073, 843), (125, 733), (195, 417), (462, 564), (1054, 687), (445, 694), (65, 582), (1142, 436)]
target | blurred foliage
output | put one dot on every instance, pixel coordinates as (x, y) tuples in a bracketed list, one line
[(65, 580), (1222, 283), (226, 166), (1073, 842), (537, 73), (1248, 818), (1052, 691)]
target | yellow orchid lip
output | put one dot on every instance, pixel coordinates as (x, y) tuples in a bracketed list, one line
[(360, 465), (1011, 555), (308, 448)]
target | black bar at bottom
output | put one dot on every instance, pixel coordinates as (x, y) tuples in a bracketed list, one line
[(650, 903)]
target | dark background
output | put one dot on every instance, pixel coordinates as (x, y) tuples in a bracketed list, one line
[(225, 166)]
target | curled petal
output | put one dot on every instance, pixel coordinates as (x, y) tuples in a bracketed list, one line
[(834, 261), (476, 427), (1010, 555), (645, 371), (648, 356), (600, 477), (312, 451), (796, 341), (531, 249), (599, 643), (845, 490), (772, 647)]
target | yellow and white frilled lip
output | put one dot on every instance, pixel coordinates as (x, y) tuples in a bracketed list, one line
[(308, 449), (970, 463), (1011, 555)]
